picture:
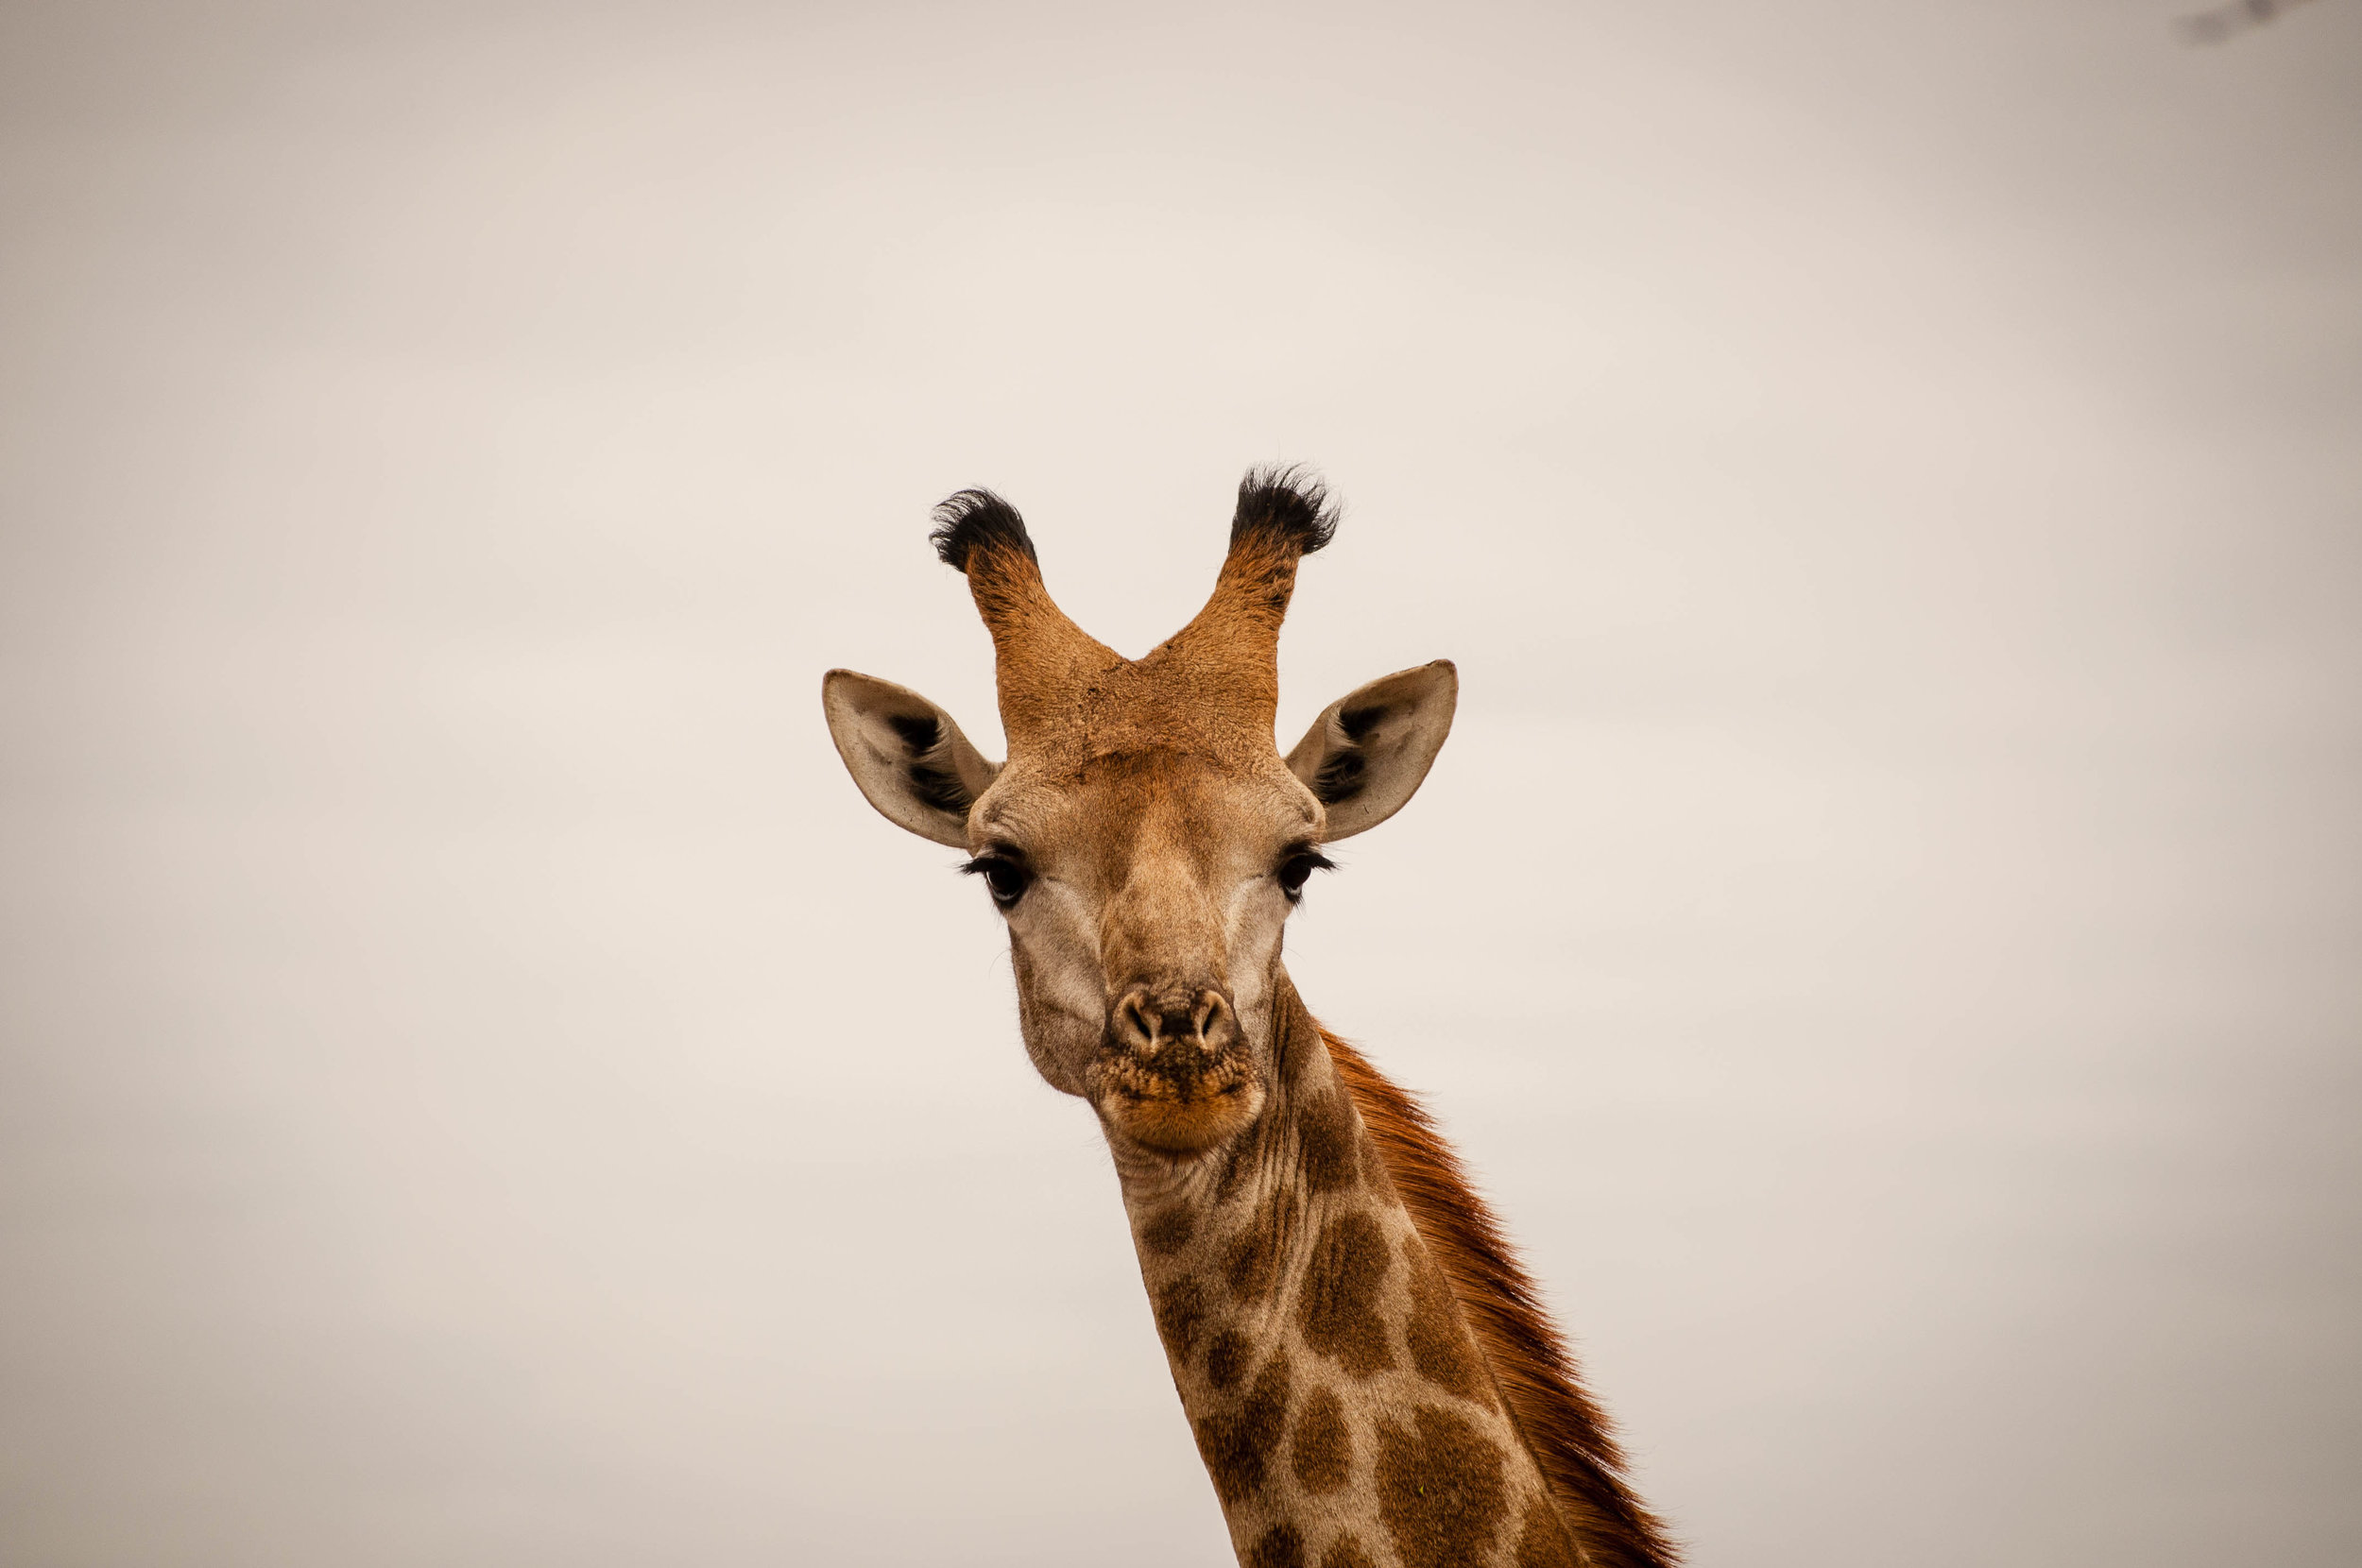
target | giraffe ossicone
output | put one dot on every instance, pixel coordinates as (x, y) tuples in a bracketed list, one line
[(1366, 1368)]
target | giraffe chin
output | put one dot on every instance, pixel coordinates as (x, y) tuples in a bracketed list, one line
[(1176, 1108)]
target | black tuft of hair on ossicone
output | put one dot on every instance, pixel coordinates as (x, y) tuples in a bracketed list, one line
[(1289, 505), (974, 518)]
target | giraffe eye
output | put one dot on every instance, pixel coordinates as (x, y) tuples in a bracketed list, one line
[(1005, 877), (1297, 869)]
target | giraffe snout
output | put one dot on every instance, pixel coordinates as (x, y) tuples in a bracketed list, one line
[(1171, 1075), (1146, 1022)]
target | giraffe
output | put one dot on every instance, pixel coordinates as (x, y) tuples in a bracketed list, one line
[(1366, 1368)]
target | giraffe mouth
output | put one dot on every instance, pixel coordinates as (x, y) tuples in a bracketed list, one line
[(1180, 1100)]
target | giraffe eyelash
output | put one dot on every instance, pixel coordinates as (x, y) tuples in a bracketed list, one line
[(1295, 869), (1006, 876)]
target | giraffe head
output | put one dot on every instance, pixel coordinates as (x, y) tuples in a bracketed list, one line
[(1146, 839)]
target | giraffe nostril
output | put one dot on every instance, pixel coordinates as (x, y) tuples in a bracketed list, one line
[(1132, 1027), (1214, 1021)]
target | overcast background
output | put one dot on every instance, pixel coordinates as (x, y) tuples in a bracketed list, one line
[(481, 1087)]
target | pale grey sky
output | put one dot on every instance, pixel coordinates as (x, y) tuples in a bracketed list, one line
[(478, 1086)]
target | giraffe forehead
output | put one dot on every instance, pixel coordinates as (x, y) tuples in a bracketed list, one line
[(1188, 809)]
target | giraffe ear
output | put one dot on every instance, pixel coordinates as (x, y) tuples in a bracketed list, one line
[(1366, 755), (906, 754)]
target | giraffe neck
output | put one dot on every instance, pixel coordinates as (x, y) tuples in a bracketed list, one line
[(1343, 1406)]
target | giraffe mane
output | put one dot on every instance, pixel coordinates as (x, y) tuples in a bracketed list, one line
[(1571, 1436)]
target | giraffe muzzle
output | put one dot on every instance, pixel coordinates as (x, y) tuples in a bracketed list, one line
[(1170, 1073)]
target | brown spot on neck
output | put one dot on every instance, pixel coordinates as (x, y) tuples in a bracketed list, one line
[(1327, 1133), (1441, 1347), (1440, 1492), (1280, 1547), (1167, 1230), (1237, 1446), (1253, 1265), (1226, 1358), (1180, 1313), (1342, 1281), (1321, 1449)]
